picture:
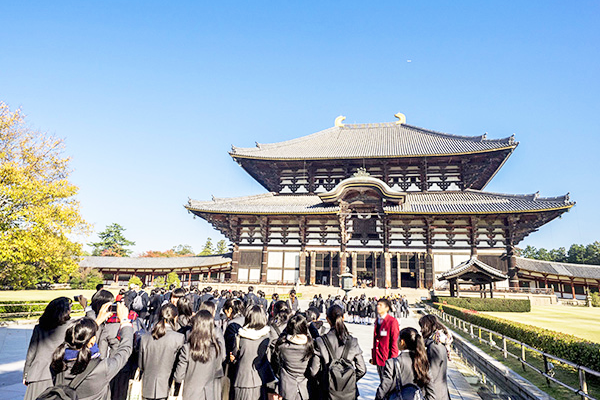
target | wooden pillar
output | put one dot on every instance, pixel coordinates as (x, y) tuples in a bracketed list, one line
[(387, 259), (342, 266), (573, 288), (457, 288), (331, 273), (511, 260), (235, 261), (152, 278), (313, 267), (428, 268), (117, 277), (302, 274), (354, 268), (375, 269), (264, 264), (491, 291), (398, 272)]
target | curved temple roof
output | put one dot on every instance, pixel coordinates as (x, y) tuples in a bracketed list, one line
[(471, 266), (448, 202), (382, 140)]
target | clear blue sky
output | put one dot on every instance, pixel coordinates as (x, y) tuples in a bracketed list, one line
[(149, 96)]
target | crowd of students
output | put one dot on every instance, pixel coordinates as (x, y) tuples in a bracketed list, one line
[(227, 345)]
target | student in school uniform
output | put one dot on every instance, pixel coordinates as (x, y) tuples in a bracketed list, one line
[(47, 335), (158, 351), (291, 359), (435, 335), (252, 368), (407, 372), (199, 363), (332, 346), (385, 336), (77, 361)]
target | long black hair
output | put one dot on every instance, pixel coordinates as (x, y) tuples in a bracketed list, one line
[(167, 315), (281, 313), (418, 353), (202, 337), (56, 313), (335, 315), (184, 310), (102, 297), (429, 324), (297, 325), (77, 338)]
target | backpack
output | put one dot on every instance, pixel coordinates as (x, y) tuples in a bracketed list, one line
[(138, 302), (341, 375), (60, 391), (409, 391)]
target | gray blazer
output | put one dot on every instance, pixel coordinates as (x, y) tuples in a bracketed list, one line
[(321, 360), (394, 374), (96, 384), (39, 354), (437, 388), (199, 378), (157, 362), (252, 368), (293, 370)]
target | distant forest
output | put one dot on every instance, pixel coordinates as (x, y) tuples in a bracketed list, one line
[(577, 254)]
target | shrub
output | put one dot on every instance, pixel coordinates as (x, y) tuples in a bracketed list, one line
[(25, 307), (595, 299), (173, 279), (159, 282), (134, 280), (559, 344), (85, 279), (478, 304)]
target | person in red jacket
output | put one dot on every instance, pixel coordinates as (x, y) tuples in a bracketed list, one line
[(385, 337)]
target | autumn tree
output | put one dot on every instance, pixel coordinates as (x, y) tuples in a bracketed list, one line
[(112, 242), (38, 209)]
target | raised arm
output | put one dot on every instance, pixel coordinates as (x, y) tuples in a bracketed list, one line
[(117, 361)]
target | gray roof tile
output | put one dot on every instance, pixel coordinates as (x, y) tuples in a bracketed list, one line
[(555, 268), (373, 141), (449, 202), (154, 262)]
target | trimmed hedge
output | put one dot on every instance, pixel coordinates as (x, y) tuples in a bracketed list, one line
[(478, 304), (559, 344)]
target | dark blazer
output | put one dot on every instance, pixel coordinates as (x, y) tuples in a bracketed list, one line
[(252, 367), (437, 388), (157, 362), (395, 373), (292, 370), (39, 354), (294, 304), (96, 384), (321, 360), (385, 340), (199, 378)]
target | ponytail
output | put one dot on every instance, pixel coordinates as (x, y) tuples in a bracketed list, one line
[(168, 312), (418, 353), (335, 315), (77, 337)]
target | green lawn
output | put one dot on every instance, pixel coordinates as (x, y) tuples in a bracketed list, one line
[(43, 295), (583, 322)]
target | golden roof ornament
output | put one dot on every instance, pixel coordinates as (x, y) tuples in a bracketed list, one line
[(401, 118), (361, 173), (338, 121)]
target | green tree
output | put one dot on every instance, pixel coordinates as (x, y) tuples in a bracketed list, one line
[(208, 248), (173, 279), (183, 250), (159, 282), (577, 254), (529, 252), (85, 278), (38, 210), (592, 253), (221, 247), (134, 280), (112, 242)]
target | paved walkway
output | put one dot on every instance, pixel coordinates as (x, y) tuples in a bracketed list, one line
[(14, 341)]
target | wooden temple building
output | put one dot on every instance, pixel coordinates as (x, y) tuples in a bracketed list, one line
[(392, 203)]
